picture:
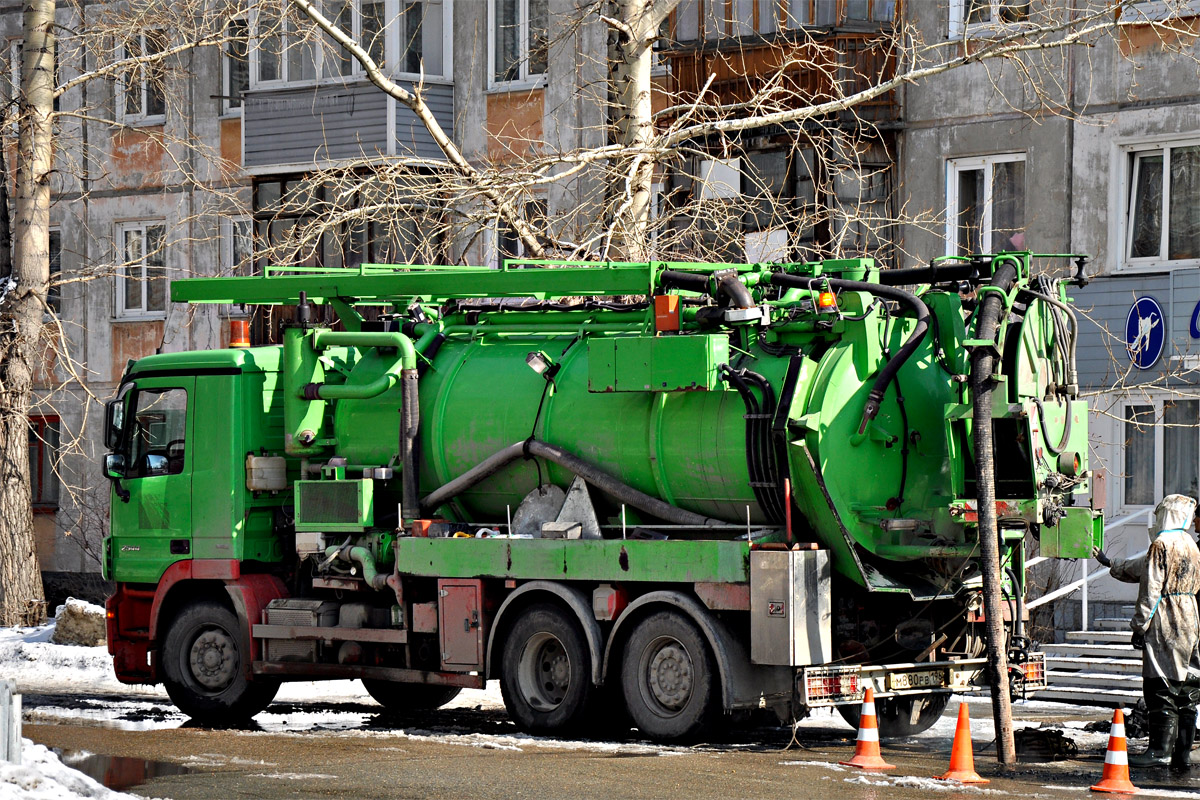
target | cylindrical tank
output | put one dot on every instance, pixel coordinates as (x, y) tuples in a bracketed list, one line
[(687, 447)]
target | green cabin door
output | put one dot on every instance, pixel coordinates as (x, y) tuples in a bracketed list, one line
[(154, 529)]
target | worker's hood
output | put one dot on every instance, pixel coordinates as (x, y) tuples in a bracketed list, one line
[(1173, 513)]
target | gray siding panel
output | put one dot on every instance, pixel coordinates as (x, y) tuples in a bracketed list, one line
[(325, 123), (412, 139), (1103, 308), (335, 123)]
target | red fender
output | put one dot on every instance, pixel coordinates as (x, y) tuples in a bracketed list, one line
[(133, 615)]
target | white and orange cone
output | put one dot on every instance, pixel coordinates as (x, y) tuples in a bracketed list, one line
[(866, 749), (962, 755), (1115, 777)]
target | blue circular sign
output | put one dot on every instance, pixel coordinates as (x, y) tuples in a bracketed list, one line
[(1145, 332), (1194, 328)]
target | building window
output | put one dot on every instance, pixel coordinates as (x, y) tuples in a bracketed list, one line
[(140, 89), (1161, 442), (54, 288), (237, 246), (985, 210), (43, 463), (502, 243), (142, 278), (235, 65), (288, 49), (1162, 205), (518, 40), (980, 16)]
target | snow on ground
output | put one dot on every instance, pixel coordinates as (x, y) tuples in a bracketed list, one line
[(41, 776)]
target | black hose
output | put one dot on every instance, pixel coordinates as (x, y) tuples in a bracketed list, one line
[(769, 455), (1018, 594), (592, 474), (688, 281), (764, 472), (875, 396), (983, 359), (729, 285), (956, 271), (1066, 434), (736, 291)]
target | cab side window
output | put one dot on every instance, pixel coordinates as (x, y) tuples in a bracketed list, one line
[(157, 438)]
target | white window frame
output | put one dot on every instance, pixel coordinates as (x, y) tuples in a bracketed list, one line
[(142, 117), (1120, 404), (993, 27), (357, 74), (525, 79), (228, 225), (1125, 164), (227, 107), (141, 312), (987, 164)]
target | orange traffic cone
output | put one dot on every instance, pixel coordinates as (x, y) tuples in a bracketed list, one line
[(1115, 777), (962, 755), (866, 749)]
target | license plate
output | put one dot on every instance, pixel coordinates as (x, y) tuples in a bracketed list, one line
[(918, 680)]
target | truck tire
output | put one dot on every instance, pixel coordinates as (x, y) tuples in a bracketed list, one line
[(546, 671), (203, 667), (404, 697), (901, 716), (668, 678)]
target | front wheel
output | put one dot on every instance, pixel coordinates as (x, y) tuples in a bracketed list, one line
[(546, 671), (668, 678), (204, 667), (901, 716), (405, 697)]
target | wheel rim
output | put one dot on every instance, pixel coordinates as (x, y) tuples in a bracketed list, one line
[(544, 672), (213, 659), (667, 676)]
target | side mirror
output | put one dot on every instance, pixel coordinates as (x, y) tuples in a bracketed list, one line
[(114, 466), (114, 470), (114, 421)]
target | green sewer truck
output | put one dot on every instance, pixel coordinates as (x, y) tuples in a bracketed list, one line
[(732, 487)]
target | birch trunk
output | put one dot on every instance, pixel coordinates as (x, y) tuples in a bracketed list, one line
[(636, 24), (21, 596)]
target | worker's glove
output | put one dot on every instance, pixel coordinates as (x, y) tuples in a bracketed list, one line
[(1100, 556), (1138, 640)]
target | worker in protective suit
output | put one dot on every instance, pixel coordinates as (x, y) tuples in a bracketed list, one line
[(1166, 628)]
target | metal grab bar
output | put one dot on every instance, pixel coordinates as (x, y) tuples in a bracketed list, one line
[(1083, 582)]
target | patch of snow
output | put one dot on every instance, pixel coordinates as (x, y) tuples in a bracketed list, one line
[(295, 776), (219, 760), (42, 776), (928, 784)]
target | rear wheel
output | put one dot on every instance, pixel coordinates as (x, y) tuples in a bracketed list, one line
[(404, 697), (546, 671), (901, 716), (204, 667), (668, 678)]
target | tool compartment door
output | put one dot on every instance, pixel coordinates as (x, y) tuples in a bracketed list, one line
[(460, 624)]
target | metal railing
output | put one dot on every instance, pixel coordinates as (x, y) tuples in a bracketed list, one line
[(1082, 583), (10, 723)]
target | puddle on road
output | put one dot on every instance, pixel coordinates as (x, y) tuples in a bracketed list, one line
[(119, 772)]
